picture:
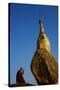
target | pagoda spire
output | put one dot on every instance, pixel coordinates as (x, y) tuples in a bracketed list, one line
[(43, 41), (41, 25)]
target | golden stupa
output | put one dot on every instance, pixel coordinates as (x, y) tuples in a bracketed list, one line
[(44, 66), (43, 41)]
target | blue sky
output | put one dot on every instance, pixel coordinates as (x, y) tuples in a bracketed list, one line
[(24, 31)]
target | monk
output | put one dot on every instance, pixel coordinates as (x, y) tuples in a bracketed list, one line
[(19, 76)]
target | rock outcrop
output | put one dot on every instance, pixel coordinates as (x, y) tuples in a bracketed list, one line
[(44, 66)]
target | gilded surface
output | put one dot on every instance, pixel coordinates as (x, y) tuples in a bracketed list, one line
[(44, 66)]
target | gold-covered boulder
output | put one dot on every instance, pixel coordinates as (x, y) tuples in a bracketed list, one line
[(44, 65), (44, 68)]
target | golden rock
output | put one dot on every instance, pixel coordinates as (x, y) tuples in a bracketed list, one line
[(44, 66)]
